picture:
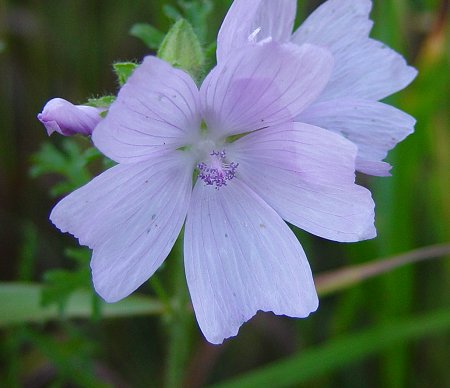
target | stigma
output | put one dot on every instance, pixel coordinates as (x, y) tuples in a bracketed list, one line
[(217, 170)]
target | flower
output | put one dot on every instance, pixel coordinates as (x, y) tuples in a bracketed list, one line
[(255, 167), (365, 70), (67, 119)]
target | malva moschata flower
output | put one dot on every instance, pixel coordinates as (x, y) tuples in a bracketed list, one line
[(253, 166)]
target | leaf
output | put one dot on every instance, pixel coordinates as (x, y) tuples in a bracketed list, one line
[(199, 14), (333, 281), (340, 352), (20, 303), (60, 284), (123, 71), (171, 12), (71, 163), (181, 48), (151, 37)]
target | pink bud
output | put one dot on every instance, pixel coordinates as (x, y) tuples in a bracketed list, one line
[(67, 119)]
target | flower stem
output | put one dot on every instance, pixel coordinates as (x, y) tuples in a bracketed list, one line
[(178, 324)]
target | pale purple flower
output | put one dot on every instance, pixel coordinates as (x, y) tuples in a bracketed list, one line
[(239, 254), (365, 70), (68, 119)]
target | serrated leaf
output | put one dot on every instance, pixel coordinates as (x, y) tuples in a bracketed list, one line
[(60, 284), (182, 49), (71, 162), (123, 71), (151, 37)]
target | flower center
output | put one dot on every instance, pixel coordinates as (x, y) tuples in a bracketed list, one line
[(218, 170)]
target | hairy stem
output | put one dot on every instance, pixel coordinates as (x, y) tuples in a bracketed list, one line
[(178, 323)]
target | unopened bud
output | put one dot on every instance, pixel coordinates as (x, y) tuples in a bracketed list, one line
[(68, 119)]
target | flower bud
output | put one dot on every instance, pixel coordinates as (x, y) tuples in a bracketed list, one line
[(67, 119)]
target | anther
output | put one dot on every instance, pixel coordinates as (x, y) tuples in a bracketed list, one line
[(218, 171)]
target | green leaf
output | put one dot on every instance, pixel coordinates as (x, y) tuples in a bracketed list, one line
[(61, 283), (340, 352), (123, 71), (71, 163), (171, 12), (20, 303), (182, 49), (199, 14), (151, 37)]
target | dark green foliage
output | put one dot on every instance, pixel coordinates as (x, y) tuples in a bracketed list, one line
[(71, 163), (60, 283)]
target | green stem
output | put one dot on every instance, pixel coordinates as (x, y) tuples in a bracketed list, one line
[(178, 324), (161, 293)]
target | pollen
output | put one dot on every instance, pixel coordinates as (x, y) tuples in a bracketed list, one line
[(218, 170)]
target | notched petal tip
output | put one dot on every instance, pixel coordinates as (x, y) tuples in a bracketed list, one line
[(249, 261), (233, 331)]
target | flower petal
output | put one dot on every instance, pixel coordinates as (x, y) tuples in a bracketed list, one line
[(261, 85), (306, 174), (373, 126), (59, 115), (368, 71), (364, 68), (130, 216), (156, 109), (240, 257), (266, 18), (275, 19), (336, 24)]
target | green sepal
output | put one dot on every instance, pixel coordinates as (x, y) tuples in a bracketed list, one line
[(233, 138), (101, 102), (182, 49), (151, 36), (123, 71)]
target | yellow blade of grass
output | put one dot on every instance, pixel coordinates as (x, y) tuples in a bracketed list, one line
[(333, 281)]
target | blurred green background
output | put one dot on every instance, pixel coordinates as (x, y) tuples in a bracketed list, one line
[(389, 331)]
